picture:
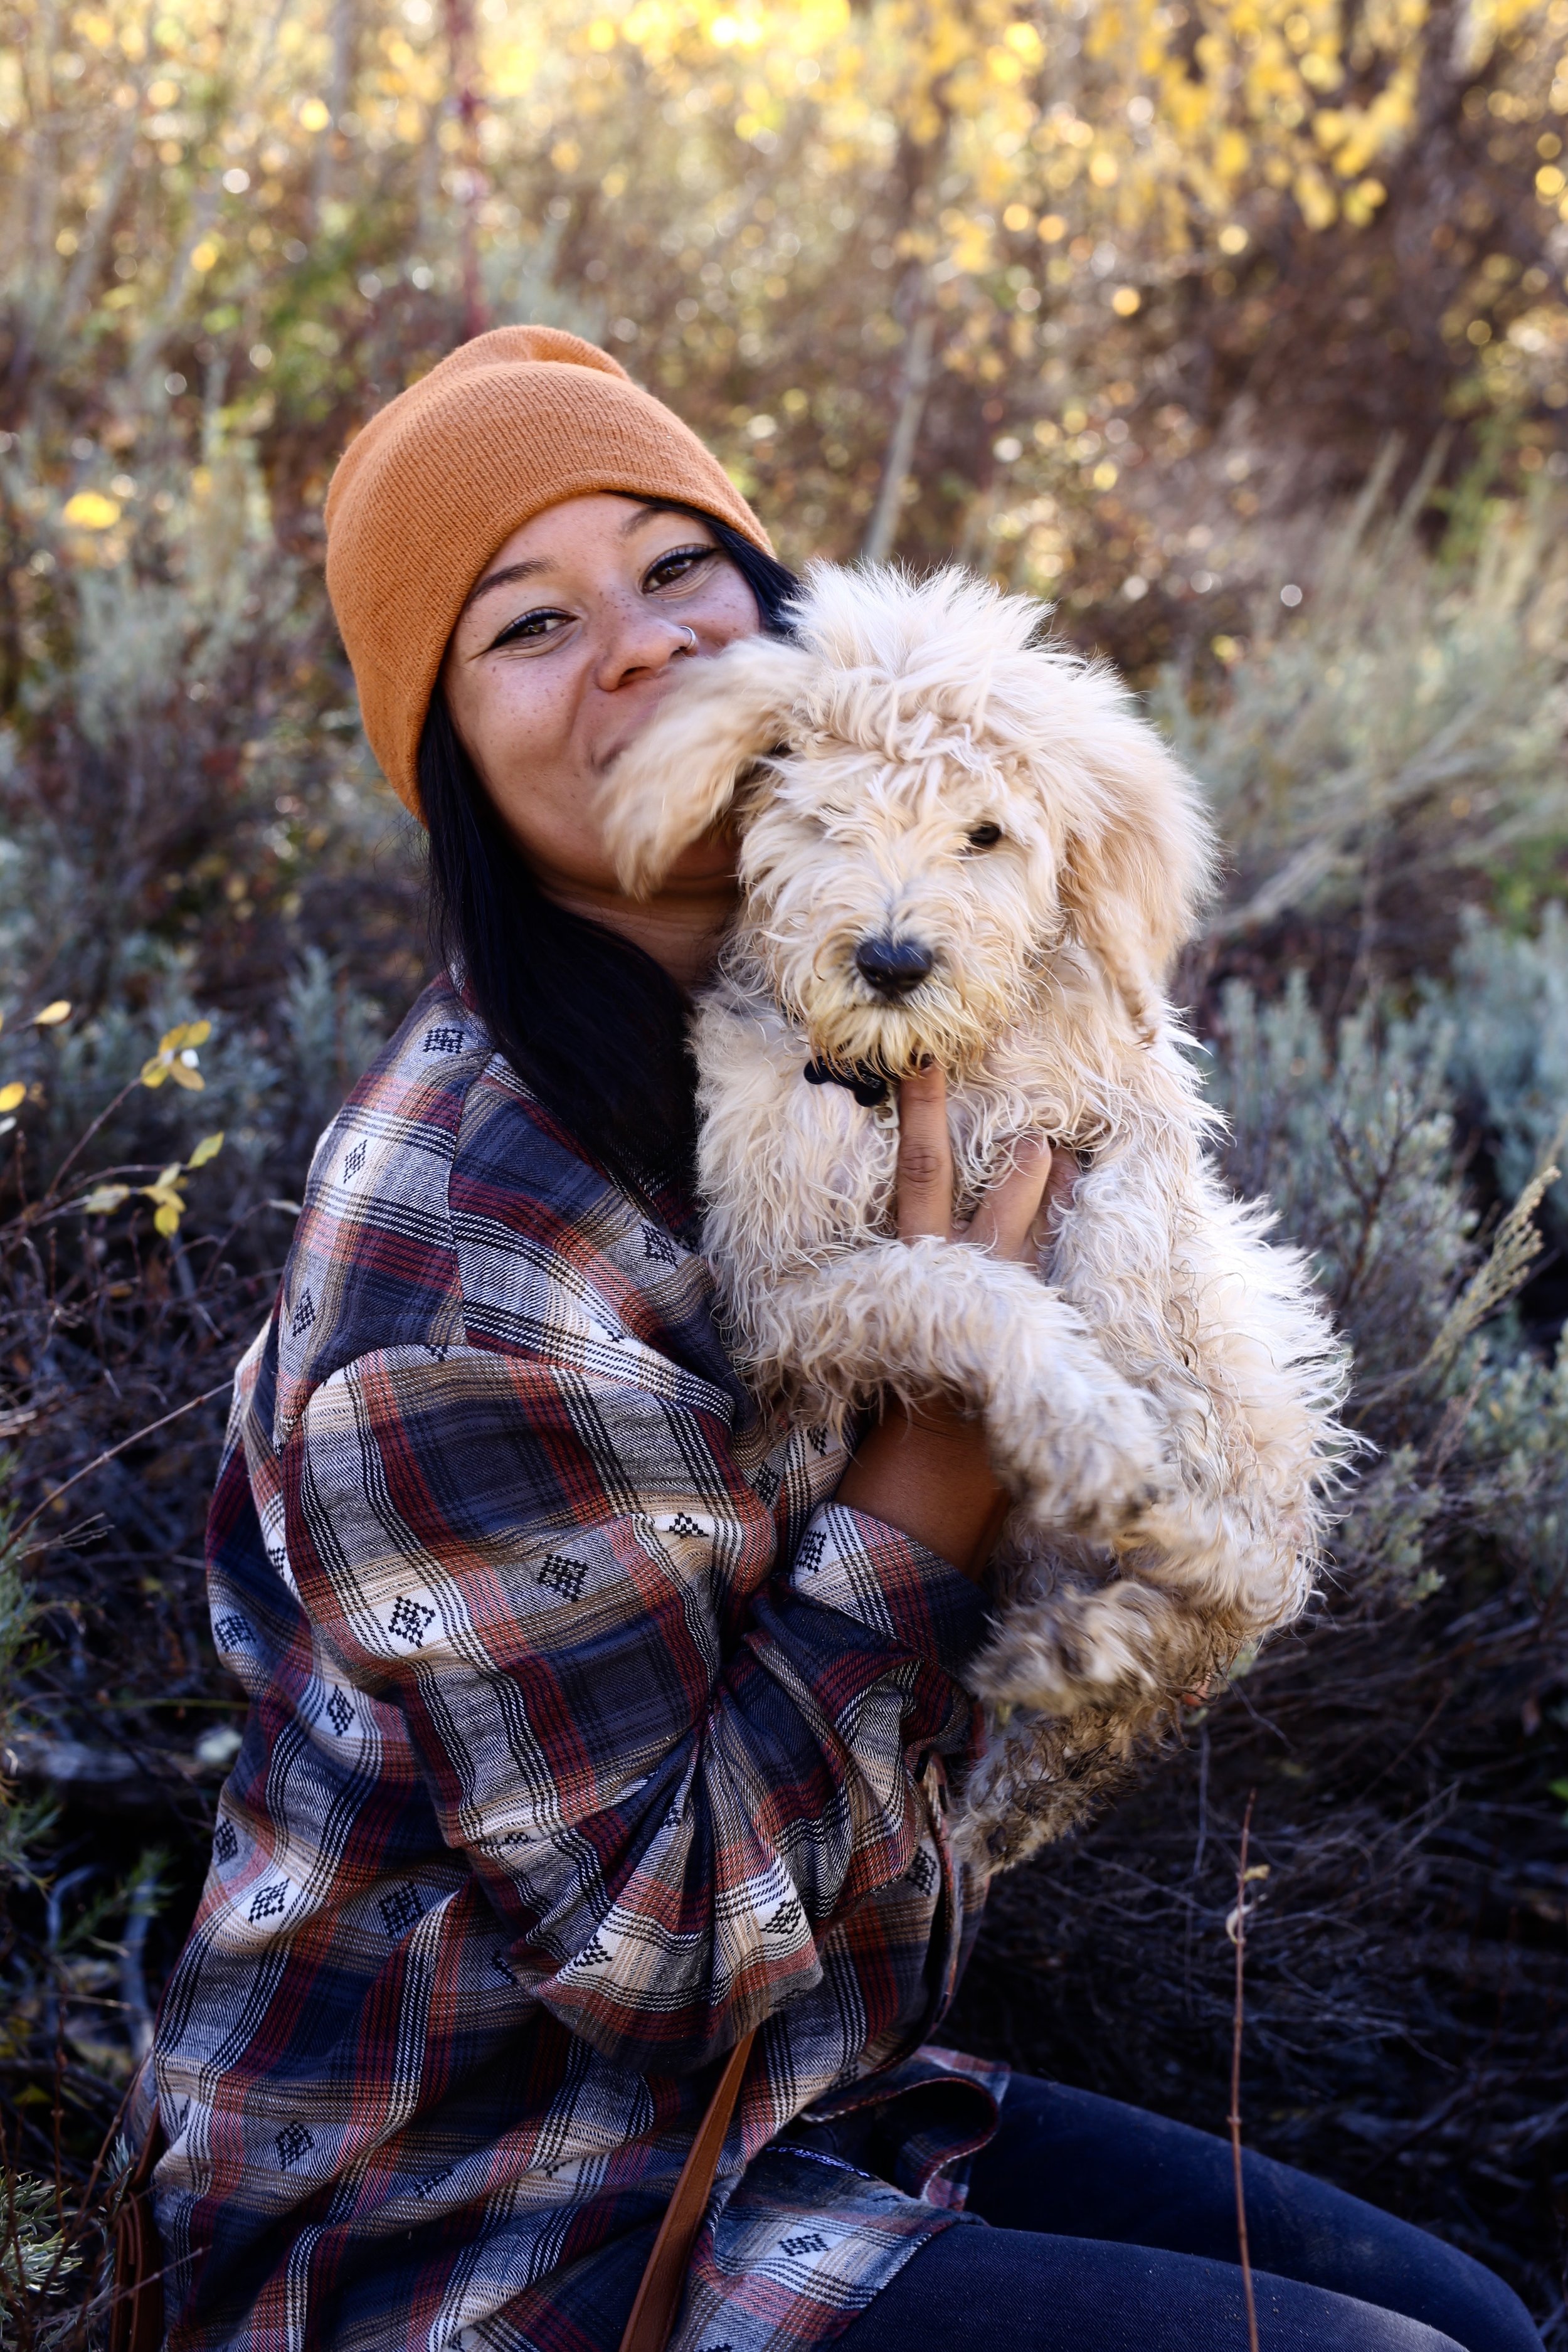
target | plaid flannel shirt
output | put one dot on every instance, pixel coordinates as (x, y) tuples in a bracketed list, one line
[(586, 1731)]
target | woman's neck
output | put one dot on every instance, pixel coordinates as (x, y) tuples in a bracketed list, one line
[(680, 929)]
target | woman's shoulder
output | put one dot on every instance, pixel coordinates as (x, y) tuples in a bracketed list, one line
[(387, 1154), (440, 1121), (374, 1262), (440, 1094), (446, 1207)]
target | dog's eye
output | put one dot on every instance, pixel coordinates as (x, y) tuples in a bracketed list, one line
[(984, 836)]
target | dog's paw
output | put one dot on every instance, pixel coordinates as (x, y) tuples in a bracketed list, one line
[(1093, 1466), (1089, 1647)]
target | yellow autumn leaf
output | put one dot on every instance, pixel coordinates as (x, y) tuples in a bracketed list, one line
[(1318, 206), (90, 510), (52, 1015), (11, 1095), (168, 1201), (175, 1057), (1232, 155), (207, 1149), (105, 1197), (1361, 201)]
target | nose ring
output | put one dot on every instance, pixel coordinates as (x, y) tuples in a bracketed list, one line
[(690, 634)]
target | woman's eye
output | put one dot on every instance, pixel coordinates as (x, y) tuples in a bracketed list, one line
[(531, 628), (678, 564), (984, 836)]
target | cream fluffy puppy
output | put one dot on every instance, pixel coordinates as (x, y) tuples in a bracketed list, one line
[(959, 841)]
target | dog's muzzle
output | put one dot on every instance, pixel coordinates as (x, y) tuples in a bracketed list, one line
[(892, 966)]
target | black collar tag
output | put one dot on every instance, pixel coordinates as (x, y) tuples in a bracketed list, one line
[(867, 1087)]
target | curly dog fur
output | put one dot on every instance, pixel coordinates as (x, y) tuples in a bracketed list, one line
[(917, 765)]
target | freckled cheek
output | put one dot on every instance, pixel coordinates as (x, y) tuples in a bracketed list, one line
[(522, 738), (522, 720)]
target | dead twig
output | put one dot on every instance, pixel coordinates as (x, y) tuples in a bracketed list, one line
[(135, 1438)]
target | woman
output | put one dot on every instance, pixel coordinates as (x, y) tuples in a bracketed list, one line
[(594, 1721)]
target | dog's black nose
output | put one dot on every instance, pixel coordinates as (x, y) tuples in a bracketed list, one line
[(892, 966)]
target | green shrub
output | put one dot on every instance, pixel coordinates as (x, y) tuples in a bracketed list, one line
[(1391, 753), (1509, 1000)]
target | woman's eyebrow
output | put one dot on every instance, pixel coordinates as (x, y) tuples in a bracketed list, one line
[(506, 578)]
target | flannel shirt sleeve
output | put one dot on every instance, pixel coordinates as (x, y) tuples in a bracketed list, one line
[(668, 1811)]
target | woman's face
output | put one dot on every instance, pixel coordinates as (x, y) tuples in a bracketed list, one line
[(569, 640)]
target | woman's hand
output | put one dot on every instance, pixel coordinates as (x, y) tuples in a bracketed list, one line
[(927, 1472), (1012, 1219)]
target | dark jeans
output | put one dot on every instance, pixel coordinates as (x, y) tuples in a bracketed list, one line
[(1114, 2231)]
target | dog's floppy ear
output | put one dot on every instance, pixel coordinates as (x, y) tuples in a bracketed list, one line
[(1139, 859), (679, 775)]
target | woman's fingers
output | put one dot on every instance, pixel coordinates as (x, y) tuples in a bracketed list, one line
[(1011, 1218), (1065, 1173), (1066, 1170), (923, 1191), (1005, 1221)]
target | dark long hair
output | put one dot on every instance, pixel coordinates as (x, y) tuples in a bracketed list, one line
[(595, 1027)]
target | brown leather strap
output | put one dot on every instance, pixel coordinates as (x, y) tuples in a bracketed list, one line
[(140, 2176), (659, 2296), (136, 2311)]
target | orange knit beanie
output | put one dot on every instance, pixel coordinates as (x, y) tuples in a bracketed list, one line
[(507, 426)]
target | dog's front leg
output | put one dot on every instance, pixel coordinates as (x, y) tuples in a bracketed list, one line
[(1081, 1448), (1191, 1303), (1189, 1300)]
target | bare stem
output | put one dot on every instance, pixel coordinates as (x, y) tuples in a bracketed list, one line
[(1240, 1941), (109, 1453), (919, 357), (80, 1146)]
